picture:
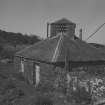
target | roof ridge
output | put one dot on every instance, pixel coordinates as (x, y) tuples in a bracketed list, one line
[(63, 20), (56, 52)]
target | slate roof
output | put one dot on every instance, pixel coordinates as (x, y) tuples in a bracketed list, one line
[(54, 50)]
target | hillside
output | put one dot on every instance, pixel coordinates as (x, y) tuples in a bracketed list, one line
[(12, 42)]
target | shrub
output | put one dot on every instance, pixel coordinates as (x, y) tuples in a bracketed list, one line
[(43, 100)]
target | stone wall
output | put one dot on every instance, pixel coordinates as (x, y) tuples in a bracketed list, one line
[(51, 77), (47, 76), (17, 63)]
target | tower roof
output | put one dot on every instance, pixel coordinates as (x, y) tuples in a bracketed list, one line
[(63, 21)]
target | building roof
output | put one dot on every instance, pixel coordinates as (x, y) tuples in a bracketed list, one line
[(53, 50), (63, 21)]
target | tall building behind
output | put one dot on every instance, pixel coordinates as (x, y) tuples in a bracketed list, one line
[(62, 25)]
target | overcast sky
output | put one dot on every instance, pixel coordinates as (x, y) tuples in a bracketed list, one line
[(31, 16)]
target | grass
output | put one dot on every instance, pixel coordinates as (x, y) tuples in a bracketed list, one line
[(7, 67), (15, 91), (13, 86)]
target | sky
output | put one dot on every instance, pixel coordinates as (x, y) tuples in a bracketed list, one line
[(31, 16)]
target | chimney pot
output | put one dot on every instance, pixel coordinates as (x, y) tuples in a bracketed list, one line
[(80, 34)]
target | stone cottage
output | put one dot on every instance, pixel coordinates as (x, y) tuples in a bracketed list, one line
[(49, 62)]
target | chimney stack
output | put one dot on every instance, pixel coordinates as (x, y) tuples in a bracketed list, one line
[(48, 24), (80, 34)]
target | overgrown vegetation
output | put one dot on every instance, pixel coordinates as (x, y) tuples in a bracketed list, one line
[(17, 38), (11, 42)]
